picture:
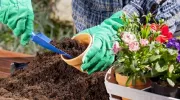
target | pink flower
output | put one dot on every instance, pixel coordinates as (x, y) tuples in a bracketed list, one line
[(134, 46), (144, 42), (116, 47), (128, 38), (154, 27)]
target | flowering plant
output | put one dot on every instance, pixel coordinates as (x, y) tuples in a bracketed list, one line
[(146, 51)]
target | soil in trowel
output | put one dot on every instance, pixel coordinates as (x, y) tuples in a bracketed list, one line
[(49, 78), (69, 45)]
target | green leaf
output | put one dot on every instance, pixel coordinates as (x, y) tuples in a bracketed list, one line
[(172, 52), (151, 46), (121, 60), (157, 51), (160, 69), (138, 69), (143, 32), (145, 61), (143, 77), (129, 80), (134, 80), (161, 21), (171, 83), (133, 65), (119, 68), (153, 73), (176, 76), (154, 58), (171, 68), (147, 31)]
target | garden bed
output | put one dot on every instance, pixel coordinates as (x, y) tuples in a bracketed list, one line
[(49, 78), (8, 57)]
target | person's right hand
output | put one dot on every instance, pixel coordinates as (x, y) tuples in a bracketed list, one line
[(100, 54), (18, 16)]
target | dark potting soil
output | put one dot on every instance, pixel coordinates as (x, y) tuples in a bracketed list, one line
[(69, 45), (162, 83), (47, 77), (164, 89)]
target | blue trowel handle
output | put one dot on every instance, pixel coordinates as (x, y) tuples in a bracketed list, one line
[(44, 41)]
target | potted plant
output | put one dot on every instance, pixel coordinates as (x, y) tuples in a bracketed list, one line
[(138, 51), (166, 73)]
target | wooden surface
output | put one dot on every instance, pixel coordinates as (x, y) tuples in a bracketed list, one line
[(7, 57)]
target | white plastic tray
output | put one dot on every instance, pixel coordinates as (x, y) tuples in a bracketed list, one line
[(114, 89)]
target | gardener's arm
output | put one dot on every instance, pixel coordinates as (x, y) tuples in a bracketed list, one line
[(100, 55), (170, 12), (18, 16)]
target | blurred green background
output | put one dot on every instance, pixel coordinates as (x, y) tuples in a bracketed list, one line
[(45, 21)]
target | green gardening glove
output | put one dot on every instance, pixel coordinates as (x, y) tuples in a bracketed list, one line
[(18, 16), (100, 55)]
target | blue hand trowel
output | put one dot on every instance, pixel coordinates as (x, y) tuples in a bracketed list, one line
[(44, 41)]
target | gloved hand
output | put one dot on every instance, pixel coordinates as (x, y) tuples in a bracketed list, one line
[(170, 12), (18, 16), (100, 55), (141, 7)]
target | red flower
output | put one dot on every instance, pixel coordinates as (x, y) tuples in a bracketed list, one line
[(165, 34), (161, 38)]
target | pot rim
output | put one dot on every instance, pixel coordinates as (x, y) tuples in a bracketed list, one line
[(143, 83), (128, 76), (81, 53)]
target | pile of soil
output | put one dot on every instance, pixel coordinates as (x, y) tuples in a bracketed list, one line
[(47, 77)]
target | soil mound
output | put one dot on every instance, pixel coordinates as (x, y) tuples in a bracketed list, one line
[(47, 77)]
